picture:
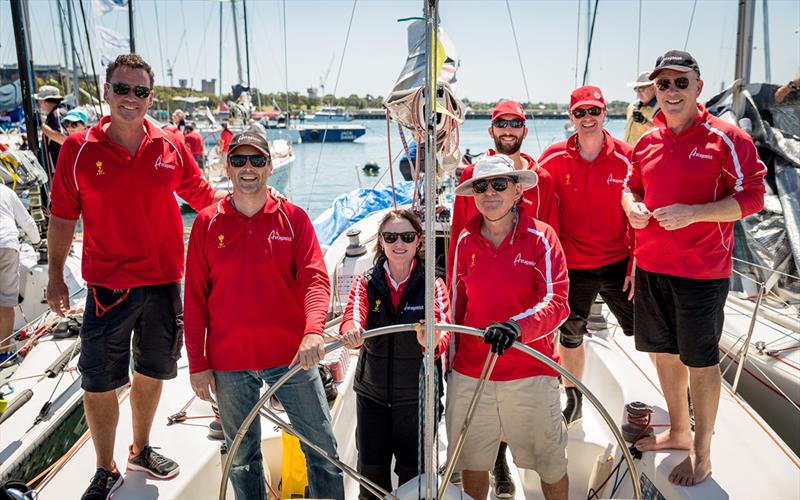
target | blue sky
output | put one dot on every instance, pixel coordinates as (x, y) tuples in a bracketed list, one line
[(547, 33)]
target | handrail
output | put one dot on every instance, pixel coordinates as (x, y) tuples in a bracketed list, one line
[(254, 412)]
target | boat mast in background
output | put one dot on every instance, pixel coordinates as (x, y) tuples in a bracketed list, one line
[(60, 9), (130, 26), (236, 39), (75, 85), (21, 29), (744, 40), (220, 50), (767, 64)]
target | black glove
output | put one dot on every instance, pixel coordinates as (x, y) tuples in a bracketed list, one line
[(638, 117), (501, 336)]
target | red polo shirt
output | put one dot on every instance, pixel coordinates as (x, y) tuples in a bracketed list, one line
[(225, 137), (194, 141), (593, 228), (254, 286), (709, 161), (524, 279), (538, 202), (133, 231)]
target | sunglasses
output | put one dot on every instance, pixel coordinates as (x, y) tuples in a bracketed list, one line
[(499, 184), (581, 112), (258, 161), (139, 91), (516, 123), (664, 83), (407, 237)]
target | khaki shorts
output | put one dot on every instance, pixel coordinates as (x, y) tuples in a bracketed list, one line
[(9, 277), (527, 411)]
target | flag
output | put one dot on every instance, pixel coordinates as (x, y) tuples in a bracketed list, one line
[(110, 45), (102, 7)]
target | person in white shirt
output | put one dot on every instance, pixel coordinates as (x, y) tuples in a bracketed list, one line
[(12, 213)]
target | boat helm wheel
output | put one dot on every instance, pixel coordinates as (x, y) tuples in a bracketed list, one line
[(262, 408)]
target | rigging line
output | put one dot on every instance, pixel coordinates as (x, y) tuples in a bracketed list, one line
[(91, 59), (160, 45), (335, 88), (522, 69), (577, 44), (639, 39), (589, 45), (691, 20), (202, 51), (60, 53), (286, 67)]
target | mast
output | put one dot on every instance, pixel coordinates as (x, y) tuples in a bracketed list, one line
[(220, 50), (64, 46), (767, 65), (431, 168), (130, 26), (744, 40), (246, 44), (21, 29), (75, 84), (236, 39)]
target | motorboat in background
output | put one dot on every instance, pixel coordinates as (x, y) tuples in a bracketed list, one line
[(329, 132)]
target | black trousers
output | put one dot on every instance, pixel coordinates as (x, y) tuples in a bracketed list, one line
[(383, 432), (584, 285)]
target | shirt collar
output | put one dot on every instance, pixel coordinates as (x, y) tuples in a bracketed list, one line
[(391, 280), (97, 133), (532, 164), (608, 146), (661, 122), (226, 207)]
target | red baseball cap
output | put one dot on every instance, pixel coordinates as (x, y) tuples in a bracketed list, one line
[(508, 108), (587, 95)]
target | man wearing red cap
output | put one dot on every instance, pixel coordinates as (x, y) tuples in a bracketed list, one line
[(507, 130), (588, 170), (691, 177)]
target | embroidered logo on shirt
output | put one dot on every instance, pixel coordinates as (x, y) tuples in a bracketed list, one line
[(377, 307), (567, 180), (221, 241), (160, 164), (472, 261), (99, 166), (413, 308), (275, 236), (612, 180), (695, 154), (519, 260)]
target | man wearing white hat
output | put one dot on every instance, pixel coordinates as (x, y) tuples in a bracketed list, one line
[(526, 300), (640, 112)]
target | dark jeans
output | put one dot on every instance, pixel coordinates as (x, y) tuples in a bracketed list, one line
[(382, 432), (303, 398), (584, 285)]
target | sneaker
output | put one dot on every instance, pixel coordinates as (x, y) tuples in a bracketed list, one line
[(573, 411), (4, 356), (152, 462), (215, 430), (103, 484), (502, 484)]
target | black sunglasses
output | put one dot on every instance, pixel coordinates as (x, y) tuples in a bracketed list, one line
[(139, 91), (258, 161), (499, 184), (581, 112), (407, 236), (664, 83), (516, 123)]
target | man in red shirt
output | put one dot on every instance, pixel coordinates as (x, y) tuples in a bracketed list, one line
[(121, 177), (588, 170), (225, 136), (249, 251), (509, 277), (691, 177), (194, 141)]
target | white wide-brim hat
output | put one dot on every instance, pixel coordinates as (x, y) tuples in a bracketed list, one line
[(497, 166), (641, 81)]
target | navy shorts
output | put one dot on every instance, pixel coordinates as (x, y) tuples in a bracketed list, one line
[(681, 316), (155, 316)]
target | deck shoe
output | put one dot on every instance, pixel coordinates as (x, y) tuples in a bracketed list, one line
[(103, 484), (152, 462), (573, 411), (215, 430), (502, 484)]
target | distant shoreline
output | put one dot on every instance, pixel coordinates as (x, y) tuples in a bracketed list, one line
[(484, 115)]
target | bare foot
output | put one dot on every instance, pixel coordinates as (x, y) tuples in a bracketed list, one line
[(666, 440), (691, 471)]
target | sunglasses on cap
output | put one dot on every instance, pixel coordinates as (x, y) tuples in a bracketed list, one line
[(407, 236), (515, 123), (258, 161), (664, 83), (140, 91), (499, 184), (581, 112)]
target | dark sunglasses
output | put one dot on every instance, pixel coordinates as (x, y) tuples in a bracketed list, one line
[(499, 184), (516, 123), (581, 112), (139, 91), (407, 237), (258, 161), (664, 83)]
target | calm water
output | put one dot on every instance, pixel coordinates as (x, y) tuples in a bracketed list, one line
[(323, 172)]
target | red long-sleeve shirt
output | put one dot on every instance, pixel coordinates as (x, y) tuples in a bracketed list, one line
[(708, 162), (593, 228), (194, 141), (133, 231), (538, 202), (254, 286), (525, 280)]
